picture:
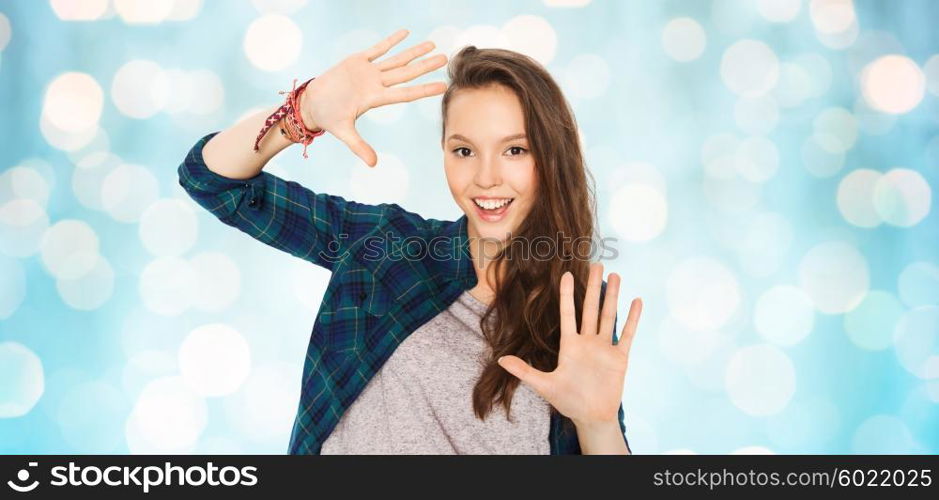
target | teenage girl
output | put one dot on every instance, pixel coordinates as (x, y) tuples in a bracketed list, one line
[(471, 344)]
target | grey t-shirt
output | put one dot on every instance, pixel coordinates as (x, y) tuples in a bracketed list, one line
[(420, 401)]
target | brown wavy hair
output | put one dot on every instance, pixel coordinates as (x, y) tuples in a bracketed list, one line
[(524, 317)]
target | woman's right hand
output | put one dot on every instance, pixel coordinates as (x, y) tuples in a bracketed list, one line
[(336, 98)]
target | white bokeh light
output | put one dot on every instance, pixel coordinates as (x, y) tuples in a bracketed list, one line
[(388, 183), (89, 291), (931, 72), (916, 341), (86, 10), (918, 284), (835, 130), (902, 197), (88, 176), (586, 76), (893, 84), (73, 102), (24, 182), (23, 222), (23, 381), (702, 293), (638, 212), (168, 417), (208, 92), (12, 286), (760, 380), (856, 197), (184, 10), (263, 410), (870, 325), (756, 116), (214, 360), (835, 275), (140, 89), (757, 159), (687, 347), (127, 191), (168, 227), (821, 162), (749, 68), (779, 11), (166, 285), (5, 31), (218, 281), (832, 16), (883, 435), (69, 249), (278, 6), (143, 11), (273, 30), (784, 315), (684, 39), (533, 36)]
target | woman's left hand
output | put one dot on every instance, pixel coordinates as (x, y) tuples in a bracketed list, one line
[(587, 385)]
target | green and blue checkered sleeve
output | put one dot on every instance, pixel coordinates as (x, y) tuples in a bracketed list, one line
[(316, 227)]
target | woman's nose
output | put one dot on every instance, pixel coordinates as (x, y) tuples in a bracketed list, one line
[(488, 175)]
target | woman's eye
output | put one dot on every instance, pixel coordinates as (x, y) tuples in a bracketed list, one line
[(457, 152), (518, 147)]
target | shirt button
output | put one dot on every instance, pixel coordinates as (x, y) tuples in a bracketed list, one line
[(252, 202)]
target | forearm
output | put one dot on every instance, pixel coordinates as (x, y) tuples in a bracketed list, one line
[(231, 153), (601, 439)]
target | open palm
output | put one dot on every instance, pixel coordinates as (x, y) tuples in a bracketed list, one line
[(587, 385)]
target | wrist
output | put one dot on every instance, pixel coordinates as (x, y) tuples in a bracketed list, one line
[(308, 121)]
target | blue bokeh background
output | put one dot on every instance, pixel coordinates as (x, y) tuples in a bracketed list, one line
[(766, 167)]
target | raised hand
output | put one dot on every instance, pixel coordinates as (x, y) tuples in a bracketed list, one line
[(587, 385), (337, 97)]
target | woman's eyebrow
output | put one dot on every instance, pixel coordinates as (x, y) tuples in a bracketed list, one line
[(504, 139)]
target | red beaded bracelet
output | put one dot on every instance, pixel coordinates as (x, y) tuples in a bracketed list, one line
[(289, 112)]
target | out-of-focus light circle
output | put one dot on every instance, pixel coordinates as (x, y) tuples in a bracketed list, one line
[(168, 417), (931, 72), (684, 346), (784, 315), (893, 84), (140, 89), (91, 290), (779, 11), (757, 116), (533, 36), (184, 10), (182, 95), (88, 176), (733, 195), (166, 285), (482, 36), (168, 227), (143, 11), (264, 408), (214, 360), (69, 249), (12, 286), (390, 181), (683, 39), (566, 3), (749, 68), (23, 381), (870, 325), (5, 31), (587, 76), (794, 85), (127, 191), (918, 284), (702, 293), (916, 341), (73, 102), (757, 159), (218, 281), (23, 222), (66, 141), (760, 380), (902, 197), (86, 10), (641, 212), (273, 30), (871, 121), (87, 416), (883, 435), (835, 275), (840, 40), (208, 91), (278, 6), (819, 161), (631, 172), (835, 130), (832, 16), (719, 155), (24, 182), (856, 197)]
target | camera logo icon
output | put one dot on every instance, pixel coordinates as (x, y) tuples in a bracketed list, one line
[(23, 476)]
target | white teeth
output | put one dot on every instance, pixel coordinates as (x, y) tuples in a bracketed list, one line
[(492, 204)]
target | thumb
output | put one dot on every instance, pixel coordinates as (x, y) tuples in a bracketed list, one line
[(354, 141), (533, 377)]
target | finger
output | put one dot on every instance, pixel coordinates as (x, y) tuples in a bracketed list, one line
[(610, 300), (568, 312), (406, 56), (383, 46), (632, 322), (412, 71), (533, 377), (412, 93), (358, 145), (588, 321)]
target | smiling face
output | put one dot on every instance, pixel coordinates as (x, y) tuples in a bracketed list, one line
[(488, 160)]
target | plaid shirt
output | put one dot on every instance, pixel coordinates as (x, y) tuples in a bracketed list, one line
[(376, 296)]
